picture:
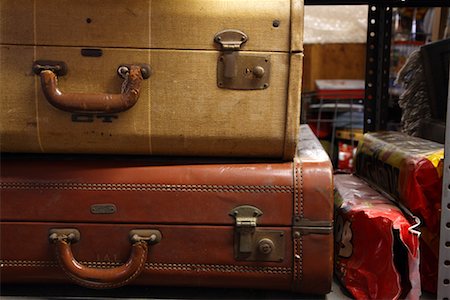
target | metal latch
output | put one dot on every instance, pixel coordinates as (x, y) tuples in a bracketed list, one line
[(240, 71), (252, 243), (246, 217)]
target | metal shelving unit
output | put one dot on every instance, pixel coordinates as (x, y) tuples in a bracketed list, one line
[(376, 103), (378, 57)]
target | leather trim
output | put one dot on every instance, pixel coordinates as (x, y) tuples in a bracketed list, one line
[(300, 178), (298, 214), (296, 182), (219, 268), (156, 266), (298, 269), (298, 190), (146, 187)]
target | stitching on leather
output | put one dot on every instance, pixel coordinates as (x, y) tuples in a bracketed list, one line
[(296, 256), (301, 190), (296, 189), (82, 282), (301, 216), (155, 187), (27, 263), (219, 268), (159, 266), (299, 212), (141, 266), (136, 273), (61, 265), (300, 277)]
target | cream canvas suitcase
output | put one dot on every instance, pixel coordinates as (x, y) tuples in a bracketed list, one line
[(197, 77)]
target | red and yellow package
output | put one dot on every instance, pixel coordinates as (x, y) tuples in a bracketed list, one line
[(410, 170), (377, 248)]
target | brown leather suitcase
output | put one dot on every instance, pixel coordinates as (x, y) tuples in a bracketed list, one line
[(106, 223), (211, 78)]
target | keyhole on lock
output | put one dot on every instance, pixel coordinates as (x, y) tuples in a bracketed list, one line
[(265, 246)]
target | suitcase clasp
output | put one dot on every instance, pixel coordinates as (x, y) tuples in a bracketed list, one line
[(240, 71), (252, 243)]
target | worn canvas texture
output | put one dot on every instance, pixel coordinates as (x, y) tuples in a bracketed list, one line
[(181, 110)]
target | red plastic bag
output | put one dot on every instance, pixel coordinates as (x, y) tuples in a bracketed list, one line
[(410, 170), (377, 248)]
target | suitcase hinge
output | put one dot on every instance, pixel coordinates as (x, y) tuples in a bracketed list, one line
[(252, 243), (243, 71), (305, 226)]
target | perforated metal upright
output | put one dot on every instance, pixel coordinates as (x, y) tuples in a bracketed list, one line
[(444, 243), (377, 65)]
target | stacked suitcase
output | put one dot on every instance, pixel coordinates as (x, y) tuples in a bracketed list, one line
[(196, 78)]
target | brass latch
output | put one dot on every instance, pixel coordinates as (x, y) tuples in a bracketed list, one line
[(240, 71), (252, 243), (246, 217)]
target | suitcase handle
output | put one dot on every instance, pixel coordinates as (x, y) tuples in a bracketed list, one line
[(102, 278), (92, 102)]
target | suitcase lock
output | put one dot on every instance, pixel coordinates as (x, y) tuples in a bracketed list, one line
[(252, 243), (240, 71)]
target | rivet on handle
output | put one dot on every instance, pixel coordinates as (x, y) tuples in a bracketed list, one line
[(57, 67), (70, 235), (123, 70), (150, 236)]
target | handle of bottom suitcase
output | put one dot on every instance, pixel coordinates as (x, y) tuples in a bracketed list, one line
[(91, 102), (102, 278)]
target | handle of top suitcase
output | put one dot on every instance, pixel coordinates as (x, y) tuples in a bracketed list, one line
[(91, 102)]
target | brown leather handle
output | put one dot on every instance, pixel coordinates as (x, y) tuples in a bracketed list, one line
[(101, 278), (93, 102), (96, 277)]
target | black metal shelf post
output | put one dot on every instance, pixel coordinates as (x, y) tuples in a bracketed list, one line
[(377, 66)]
